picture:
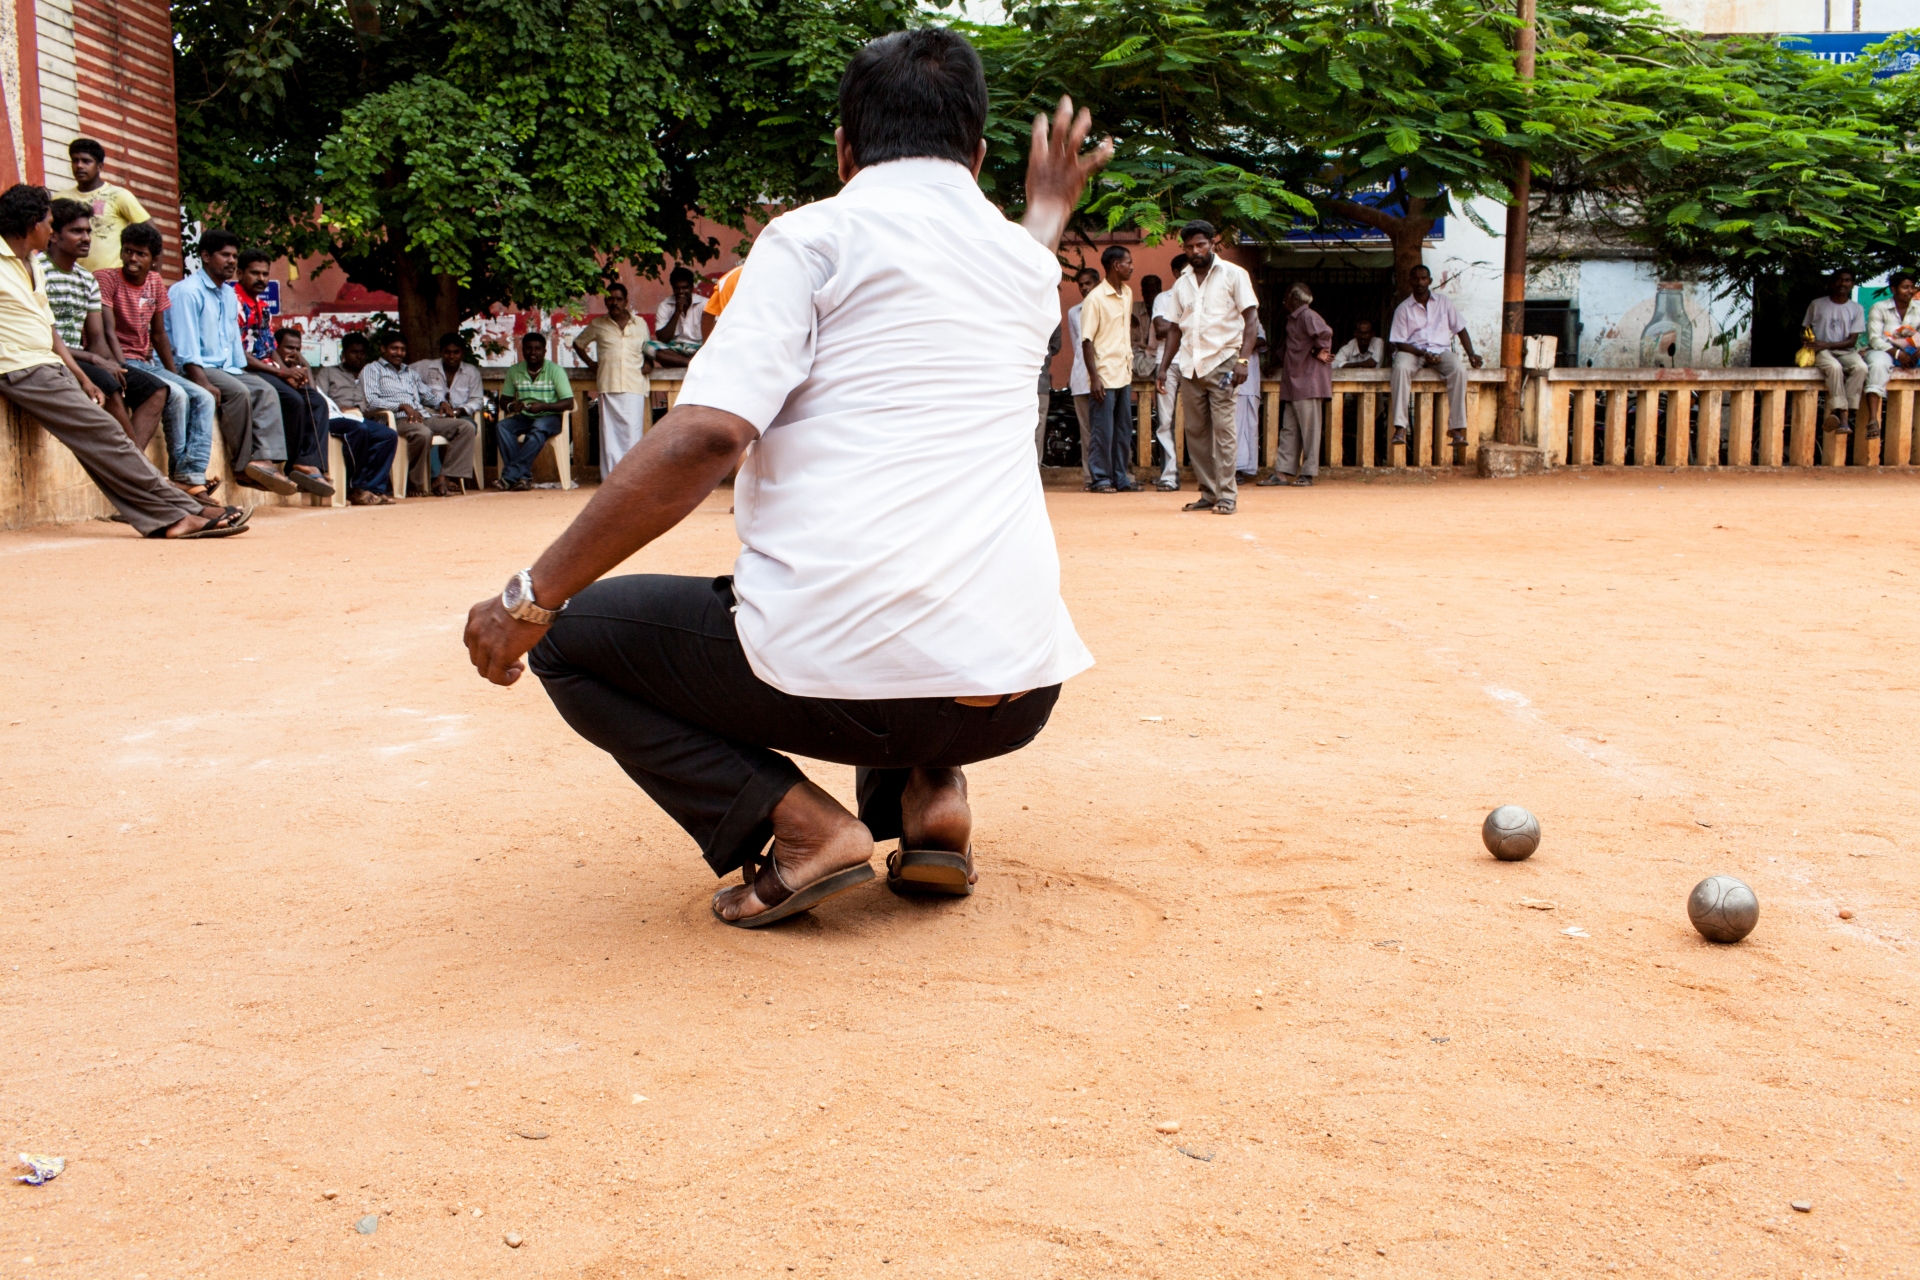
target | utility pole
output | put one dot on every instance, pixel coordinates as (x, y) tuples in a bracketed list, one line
[(1513, 292)]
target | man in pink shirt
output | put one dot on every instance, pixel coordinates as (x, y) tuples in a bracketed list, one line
[(1424, 327)]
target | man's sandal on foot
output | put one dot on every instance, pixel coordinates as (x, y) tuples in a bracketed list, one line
[(780, 901), (930, 873)]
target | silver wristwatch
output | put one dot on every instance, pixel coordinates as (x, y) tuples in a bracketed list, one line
[(517, 600)]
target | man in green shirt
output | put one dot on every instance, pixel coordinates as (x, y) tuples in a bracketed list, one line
[(535, 394)]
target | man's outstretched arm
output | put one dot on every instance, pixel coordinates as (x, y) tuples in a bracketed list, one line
[(668, 474), (1057, 171)]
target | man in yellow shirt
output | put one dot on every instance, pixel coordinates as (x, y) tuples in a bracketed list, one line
[(614, 349), (114, 208), (38, 375), (1106, 336)]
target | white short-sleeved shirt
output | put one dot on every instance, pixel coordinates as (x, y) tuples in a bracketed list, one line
[(1835, 321), (1211, 315), (1077, 380), (1163, 309), (895, 540)]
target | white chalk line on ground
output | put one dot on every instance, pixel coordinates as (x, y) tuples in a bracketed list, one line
[(1625, 768)]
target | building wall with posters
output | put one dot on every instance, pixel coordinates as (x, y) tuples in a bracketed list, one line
[(96, 68)]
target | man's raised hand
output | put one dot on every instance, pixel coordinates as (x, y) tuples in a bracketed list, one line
[(1057, 171)]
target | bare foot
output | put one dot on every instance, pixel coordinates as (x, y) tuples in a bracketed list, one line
[(934, 813), (813, 837)]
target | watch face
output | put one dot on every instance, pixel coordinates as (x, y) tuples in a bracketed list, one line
[(512, 597)]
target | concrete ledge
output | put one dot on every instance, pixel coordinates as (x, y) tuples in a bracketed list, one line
[(1506, 461)]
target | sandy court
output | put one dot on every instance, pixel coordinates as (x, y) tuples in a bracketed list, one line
[(304, 922)]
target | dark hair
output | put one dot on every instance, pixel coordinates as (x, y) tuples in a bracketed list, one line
[(68, 212), (355, 339), (611, 286), (280, 334), (1419, 266), (1364, 320), (1150, 285), (87, 147), (680, 275), (1198, 227), (22, 208), (142, 235), (389, 339), (1893, 281), (1180, 263), (451, 340), (250, 256), (1084, 272), (214, 239), (533, 335), (919, 93), (1112, 254)]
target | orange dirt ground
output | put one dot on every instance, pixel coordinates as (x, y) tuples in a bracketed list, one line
[(304, 922)]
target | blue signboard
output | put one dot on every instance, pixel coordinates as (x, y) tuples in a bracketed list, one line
[(1335, 233), (1843, 47), (273, 297)]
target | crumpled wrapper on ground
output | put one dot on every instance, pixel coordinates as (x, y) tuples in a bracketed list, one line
[(44, 1168)]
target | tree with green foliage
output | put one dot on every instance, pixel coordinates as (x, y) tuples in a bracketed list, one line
[(504, 150)]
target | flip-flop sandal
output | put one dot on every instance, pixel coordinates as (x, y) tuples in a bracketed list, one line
[(781, 901), (230, 521), (929, 873)]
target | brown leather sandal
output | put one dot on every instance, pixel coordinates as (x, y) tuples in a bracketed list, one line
[(780, 901), (930, 873)]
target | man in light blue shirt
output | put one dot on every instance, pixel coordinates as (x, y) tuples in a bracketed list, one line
[(203, 327)]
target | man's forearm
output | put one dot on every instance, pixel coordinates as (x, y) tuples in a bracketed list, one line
[(1166, 357), (662, 479)]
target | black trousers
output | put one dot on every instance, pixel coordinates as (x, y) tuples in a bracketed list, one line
[(305, 416), (650, 669)]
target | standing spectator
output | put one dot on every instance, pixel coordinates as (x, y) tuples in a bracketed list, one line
[(341, 382), (1106, 344), (1838, 323), (39, 377), (1424, 327), (536, 392), (305, 426), (1086, 279), (1893, 341), (203, 325), (135, 298), (111, 209), (678, 327), (1216, 320), (1363, 350), (369, 445), (1304, 385), (1046, 393), (451, 381), (1246, 414), (1161, 318), (135, 399), (391, 387), (614, 347)]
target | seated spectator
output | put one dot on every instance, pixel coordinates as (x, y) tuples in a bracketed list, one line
[(369, 445), (614, 349), (452, 381), (391, 387), (678, 329), (113, 209), (136, 298), (1425, 325), (135, 399), (1893, 342), (39, 376), (1837, 323), (341, 382), (535, 394), (203, 325), (1363, 350), (306, 435)]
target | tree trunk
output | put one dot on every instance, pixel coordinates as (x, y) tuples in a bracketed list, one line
[(1407, 233), (429, 304)]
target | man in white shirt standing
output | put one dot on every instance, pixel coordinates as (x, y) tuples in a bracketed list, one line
[(1160, 318), (614, 349), (896, 601), (1425, 325), (1086, 280), (1838, 322), (1893, 342), (1216, 321)]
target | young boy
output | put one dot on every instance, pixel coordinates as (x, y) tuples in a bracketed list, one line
[(135, 296)]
